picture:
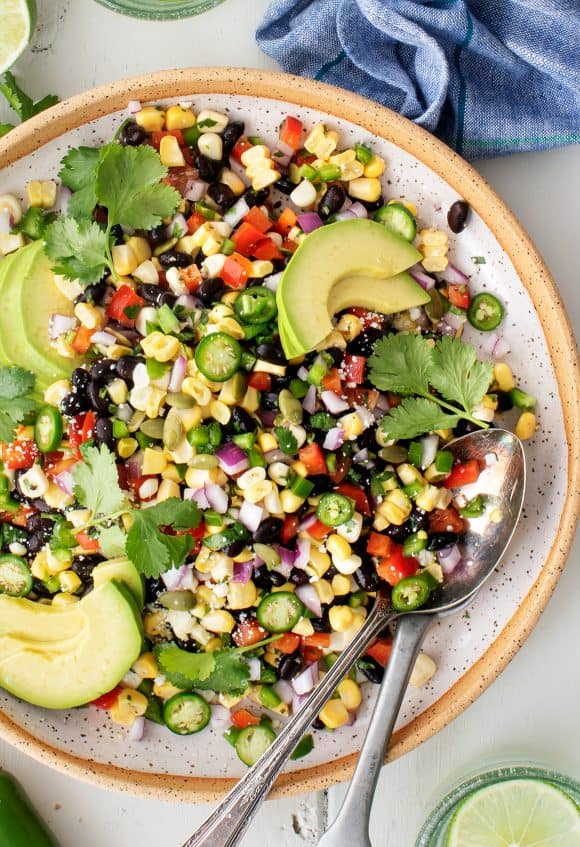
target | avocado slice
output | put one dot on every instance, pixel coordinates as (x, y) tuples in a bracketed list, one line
[(366, 292), (356, 248), (29, 297), (17, 265), (124, 571), (61, 657)]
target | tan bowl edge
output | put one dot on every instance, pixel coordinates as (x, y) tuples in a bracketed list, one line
[(534, 276)]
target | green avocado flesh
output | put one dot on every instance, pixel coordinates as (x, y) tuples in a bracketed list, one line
[(123, 571), (356, 254), (61, 657), (29, 297)]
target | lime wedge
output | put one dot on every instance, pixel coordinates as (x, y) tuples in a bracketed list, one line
[(16, 24), (516, 813)]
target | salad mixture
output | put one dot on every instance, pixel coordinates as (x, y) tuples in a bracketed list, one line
[(190, 465)]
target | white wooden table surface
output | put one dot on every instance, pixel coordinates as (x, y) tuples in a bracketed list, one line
[(532, 710)]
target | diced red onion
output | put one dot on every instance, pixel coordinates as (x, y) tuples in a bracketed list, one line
[(501, 349), (277, 456), (282, 154), (334, 438), (297, 701), (195, 189), (307, 595), (310, 401), (425, 281), (284, 691), (488, 342), (305, 681), (272, 282), (178, 221), (383, 403), (351, 719), (134, 465), (449, 558), (255, 669), (220, 717), (287, 557), (172, 578), (243, 571), (177, 374), (302, 373), (443, 328), (133, 106), (187, 301), (454, 321), (358, 210), (137, 729), (309, 221), (188, 580), (5, 222), (283, 569), (345, 215), (334, 403), (453, 275), (105, 339), (302, 557), (430, 444), (198, 495), (232, 459), (307, 523), (59, 324), (217, 497), (65, 482), (251, 515), (361, 457), (236, 212), (267, 417)]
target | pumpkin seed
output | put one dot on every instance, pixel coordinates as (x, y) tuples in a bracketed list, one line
[(153, 427), (173, 431), (180, 601), (290, 406), (179, 400), (204, 461)]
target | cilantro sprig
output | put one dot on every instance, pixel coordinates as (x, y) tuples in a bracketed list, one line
[(20, 102), (127, 182), (440, 384), (16, 404)]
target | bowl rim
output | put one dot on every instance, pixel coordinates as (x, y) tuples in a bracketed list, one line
[(534, 276)]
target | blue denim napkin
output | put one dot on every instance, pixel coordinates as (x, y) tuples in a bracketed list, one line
[(487, 76)]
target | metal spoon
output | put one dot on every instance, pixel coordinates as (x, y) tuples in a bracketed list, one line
[(484, 544)]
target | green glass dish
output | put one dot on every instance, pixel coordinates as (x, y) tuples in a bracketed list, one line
[(160, 10), (435, 829)]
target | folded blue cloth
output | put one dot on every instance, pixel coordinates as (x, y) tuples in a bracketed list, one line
[(487, 76)]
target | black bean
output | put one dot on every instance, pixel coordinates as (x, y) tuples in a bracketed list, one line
[(117, 234), (74, 404), (103, 433), (366, 576), (317, 724), (371, 669), (285, 185), (157, 235), (80, 380), (127, 364), (36, 542), (367, 440), (98, 403), (277, 578), (363, 344), (332, 571), (222, 195), (504, 401), (36, 523), (464, 427), (93, 293), (256, 198), (337, 355), (104, 371), (83, 566), (153, 588), (457, 216), (242, 420), (290, 666), (262, 578), (397, 533), (208, 169), (299, 577), (417, 520), (280, 382), (189, 645), (270, 353), (332, 201), (269, 531), (322, 484), (372, 206), (321, 624), (175, 259), (269, 401), (233, 131), (234, 549), (440, 540), (132, 134), (210, 290), (156, 296)]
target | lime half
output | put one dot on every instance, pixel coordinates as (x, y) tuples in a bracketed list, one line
[(516, 813), (16, 25)]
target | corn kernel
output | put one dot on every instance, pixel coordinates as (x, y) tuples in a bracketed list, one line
[(140, 247), (338, 547), (251, 401), (218, 621), (211, 245), (90, 316), (126, 447), (69, 581), (256, 492), (324, 590), (167, 489), (340, 585), (350, 694), (321, 142), (117, 391), (435, 264), (146, 666), (242, 595), (334, 714), (57, 392), (124, 259), (154, 462), (267, 442), (365, 188), (165, 690), (150, 118), (178, 118), (160, 347), (64, 599), (233, 181), (303, 627), (155, 624), (261, 268), (319, 562), (39, 567), (503, 377), (70, 288), (265, 178), (340, 618), (170, 152), (231, 327), (408, 474), (290, 501), (56, 498), (423, 670), (220, 412), (41, 194), (376, 167), (352, 425), (396, 507), (526, 425), (349, 327), (427, 499), (196, 389)]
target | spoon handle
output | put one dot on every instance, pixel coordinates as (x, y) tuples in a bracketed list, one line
[(226, 825), (352, 822)]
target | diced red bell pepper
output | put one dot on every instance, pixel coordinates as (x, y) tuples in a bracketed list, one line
[(379, 545), (289, 245), (267, 249), (331, 381), (463, 474), (368, 319), (394, 567), (80, 429), (88, 427), (366, 397), (91, 545), (352, 369), (246, 238), (156, 137), (21, 454), (82, 340), (312, 654), (446, 520), (258, 219), (458, 295), (243, 718), (313, 459), (190, 277), (240, 147), (260, 381), (289, 528), (286, 221), (124, 298), (318, 530), (354, 492), (181, 178), (194, 221), (318, 639), (108, 700), (248, 632), (291, 132), (342, 467), (234, 274), (381, 650), (288, 643), (303, 157)]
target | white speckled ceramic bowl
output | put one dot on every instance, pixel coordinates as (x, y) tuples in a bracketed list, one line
[(470, 650)]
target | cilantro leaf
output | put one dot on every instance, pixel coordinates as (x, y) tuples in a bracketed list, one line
[(112, 541), (78, 172), (224, 671), (45, 103), (20, 102), (128, 184), (15, 406), (401, 363), (458, 375), (154, 552), (415, 416), (78, 248), (286, 440), (5, 129), (96, 481)]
